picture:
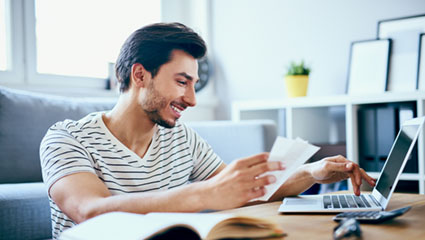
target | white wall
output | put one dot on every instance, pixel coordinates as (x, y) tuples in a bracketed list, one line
[(253, 41), (197, 15)]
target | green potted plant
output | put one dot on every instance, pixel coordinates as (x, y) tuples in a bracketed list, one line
[(296, 79)]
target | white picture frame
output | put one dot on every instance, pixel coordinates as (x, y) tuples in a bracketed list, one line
[(404, 33), (368, 66)]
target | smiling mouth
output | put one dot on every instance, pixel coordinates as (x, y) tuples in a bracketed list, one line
[(178, 109)]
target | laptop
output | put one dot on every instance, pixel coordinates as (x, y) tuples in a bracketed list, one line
[(385, 185)]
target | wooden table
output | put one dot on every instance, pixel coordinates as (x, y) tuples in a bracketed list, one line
[(411, 225)]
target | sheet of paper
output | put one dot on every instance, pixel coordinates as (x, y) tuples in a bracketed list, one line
[(293, 153)]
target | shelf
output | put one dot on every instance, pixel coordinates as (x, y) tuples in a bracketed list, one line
[(308, 102), (300, 102), (334, 119), (387, 97), (326, 101), (403, 176)]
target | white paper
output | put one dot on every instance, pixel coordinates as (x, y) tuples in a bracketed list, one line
[(293, 153)]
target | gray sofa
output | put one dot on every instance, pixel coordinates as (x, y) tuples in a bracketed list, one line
[(25, 118)]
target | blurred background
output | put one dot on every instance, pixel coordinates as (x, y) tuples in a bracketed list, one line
[(69, 47)]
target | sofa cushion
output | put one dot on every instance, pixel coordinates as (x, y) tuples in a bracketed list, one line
[(234, 140), (24, 211), (24, 120)]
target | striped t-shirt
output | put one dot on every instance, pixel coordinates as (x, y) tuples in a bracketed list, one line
[(175, 157)]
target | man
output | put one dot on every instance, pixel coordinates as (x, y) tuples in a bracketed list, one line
[(139, 158)]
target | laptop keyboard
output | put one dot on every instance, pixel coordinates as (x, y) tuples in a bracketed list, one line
[(346, 201)]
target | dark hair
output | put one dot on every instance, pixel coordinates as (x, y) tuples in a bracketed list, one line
[(152, 45)]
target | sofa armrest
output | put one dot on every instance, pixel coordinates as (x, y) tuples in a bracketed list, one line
[(24, 211)]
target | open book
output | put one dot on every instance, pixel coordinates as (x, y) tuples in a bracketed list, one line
[(129, 226)]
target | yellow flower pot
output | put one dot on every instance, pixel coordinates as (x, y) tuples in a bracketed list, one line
[(296, 85)]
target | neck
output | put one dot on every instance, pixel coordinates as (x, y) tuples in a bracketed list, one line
[(130, 124)]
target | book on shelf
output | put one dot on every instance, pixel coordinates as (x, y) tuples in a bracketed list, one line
[(378, 125), (128, 226)]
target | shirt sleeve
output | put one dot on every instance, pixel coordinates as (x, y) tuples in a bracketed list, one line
[(61, 155), (206, 161)]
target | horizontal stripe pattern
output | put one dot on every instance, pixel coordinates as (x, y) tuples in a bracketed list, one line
[(176, 157)]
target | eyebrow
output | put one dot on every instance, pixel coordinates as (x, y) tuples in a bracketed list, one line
[(185, 75)]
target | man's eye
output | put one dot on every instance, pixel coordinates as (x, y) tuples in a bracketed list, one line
[(182, 82)]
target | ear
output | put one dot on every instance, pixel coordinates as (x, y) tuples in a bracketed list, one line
[(138, 75)]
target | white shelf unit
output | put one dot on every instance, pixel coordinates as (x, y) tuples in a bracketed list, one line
[(331, 120)]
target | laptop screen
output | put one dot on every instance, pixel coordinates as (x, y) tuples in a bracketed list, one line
[(395, 159)]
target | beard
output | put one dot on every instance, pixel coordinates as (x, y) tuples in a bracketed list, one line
[(156, 118), (153, 104)]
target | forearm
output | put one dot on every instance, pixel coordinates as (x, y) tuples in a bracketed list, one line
[(300, 181), (188, 198), (83, 195)]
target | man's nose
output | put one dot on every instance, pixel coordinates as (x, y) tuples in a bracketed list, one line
[(190, 97)]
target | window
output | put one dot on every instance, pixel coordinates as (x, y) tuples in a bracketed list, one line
[(80, 37), (66, 43), (4, 56)]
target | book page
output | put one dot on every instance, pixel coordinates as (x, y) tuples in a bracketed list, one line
[(293, 153), (115, 225), (202, 222), (220, 225), (122, 225)]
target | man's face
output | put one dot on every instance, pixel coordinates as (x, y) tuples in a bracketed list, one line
[(172, 90)]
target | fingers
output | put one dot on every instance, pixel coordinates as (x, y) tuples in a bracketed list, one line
[(257, 165), (337, 158), (348, 169), (256, 192), (357, 175), (263, 181), (338, 167), (356, 187), (254, 175), (256, 187), (355, 184), (253, 160), (340, 164), (242, 180), (251, 173), (266, 167), (371, 181), (356, 172), (331, 167)]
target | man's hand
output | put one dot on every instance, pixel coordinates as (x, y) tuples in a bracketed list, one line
[(240, 182), (337, 168)]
